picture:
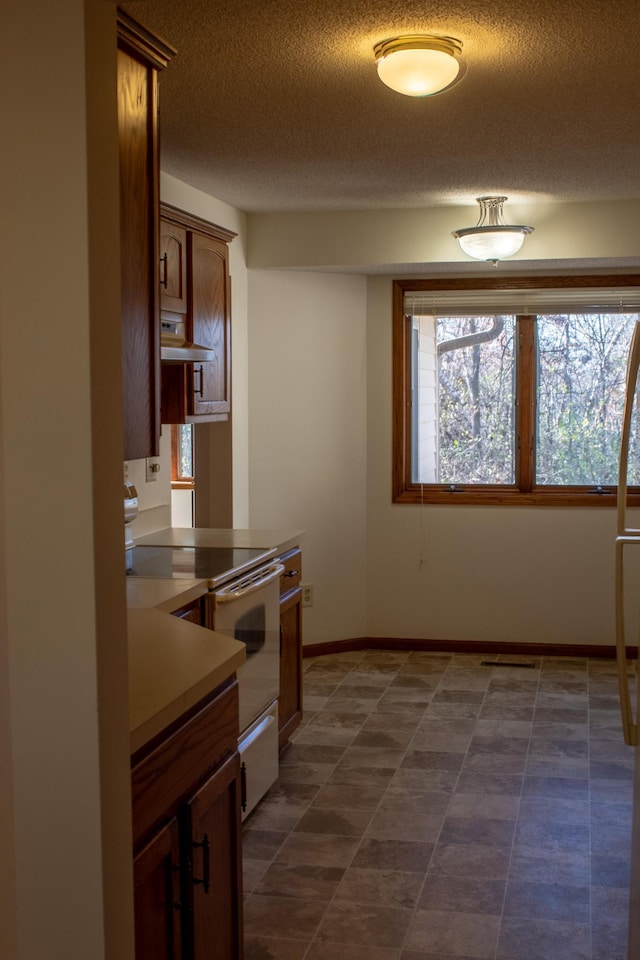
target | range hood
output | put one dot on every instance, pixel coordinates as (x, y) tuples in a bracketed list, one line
[(175, 348)]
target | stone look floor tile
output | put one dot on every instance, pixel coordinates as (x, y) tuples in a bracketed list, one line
[(270, 948), (336, 951), (318, 850), (492, 807), (338, 795), (282, 917), (547, 900), (357, 923), (404, 855), (462, 895), (340, 823), (471, 860), (477, 830), (455, 934), (391, 888), (522, 939), (433, 806), (300, 881)]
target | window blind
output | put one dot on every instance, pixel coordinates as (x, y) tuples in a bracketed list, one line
[(469, 303)]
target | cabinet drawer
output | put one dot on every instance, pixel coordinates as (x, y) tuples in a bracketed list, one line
[(191, 611), (169, 772), (292, 573)]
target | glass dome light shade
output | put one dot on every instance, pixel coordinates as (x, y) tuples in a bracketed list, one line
[(491, 243), (491, 239), (418, 66)]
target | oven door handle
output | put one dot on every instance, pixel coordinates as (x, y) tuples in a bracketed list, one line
[(249, 584)]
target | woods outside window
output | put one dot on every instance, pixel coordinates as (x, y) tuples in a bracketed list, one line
[(511, 391)]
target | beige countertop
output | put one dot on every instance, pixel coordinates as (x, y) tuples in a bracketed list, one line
[(174, 663)]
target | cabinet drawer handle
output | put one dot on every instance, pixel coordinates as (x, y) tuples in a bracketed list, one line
[(165, 271), (243, 786), (291, 573), (200, 371), (205, 881)]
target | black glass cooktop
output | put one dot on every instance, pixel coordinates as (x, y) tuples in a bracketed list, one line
[(199, 563)]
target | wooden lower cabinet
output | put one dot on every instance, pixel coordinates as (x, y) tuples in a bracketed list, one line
[(215, 866), (187, 837), (290, 696), (158, 933)]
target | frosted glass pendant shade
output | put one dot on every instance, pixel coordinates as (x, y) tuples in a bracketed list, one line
[(491, 239), (418, 66), (492, 244)]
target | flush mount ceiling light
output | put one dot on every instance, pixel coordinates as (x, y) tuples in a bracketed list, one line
[(419, 66), (491, 239)]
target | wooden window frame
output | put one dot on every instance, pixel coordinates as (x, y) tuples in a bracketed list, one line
[(178, 480), (524, 492)]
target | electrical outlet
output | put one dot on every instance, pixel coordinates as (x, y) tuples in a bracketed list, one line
[(307, 594), (152, 469)]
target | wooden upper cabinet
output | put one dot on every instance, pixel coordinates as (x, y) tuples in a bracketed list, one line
[(141, 56), (210, 317), (173, 267), (198, 295)]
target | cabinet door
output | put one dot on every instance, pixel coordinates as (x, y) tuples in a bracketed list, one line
[(290, 696), (215, 865), (140, 57), (210, 323), (157, 897), (173, 267)]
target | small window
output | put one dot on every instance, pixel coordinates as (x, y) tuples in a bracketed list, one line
[(182, 456), (520, 405)]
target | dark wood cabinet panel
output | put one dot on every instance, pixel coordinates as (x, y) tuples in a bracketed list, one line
[(290, 695), (210, 317), (216, 866), (140, 57), (192, 612), (187, 840), (173, 267), (158, 910)]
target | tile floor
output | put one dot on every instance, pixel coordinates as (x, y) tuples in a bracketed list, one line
[(431, 807)]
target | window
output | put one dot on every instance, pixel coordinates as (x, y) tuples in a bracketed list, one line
[(511, 393), (182, 456)]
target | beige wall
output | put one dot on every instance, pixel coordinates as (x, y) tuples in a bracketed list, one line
[(450, 571), (320, 459), (566, 235), (63, 723), (307, 429), (65, 869), (476, 573)]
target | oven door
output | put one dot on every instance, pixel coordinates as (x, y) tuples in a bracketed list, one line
[(248, 609)]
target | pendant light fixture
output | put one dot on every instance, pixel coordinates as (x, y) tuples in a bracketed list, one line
[(419, 65), (491, 239)]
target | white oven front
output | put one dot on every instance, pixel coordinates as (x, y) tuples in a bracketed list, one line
[(248, 609)]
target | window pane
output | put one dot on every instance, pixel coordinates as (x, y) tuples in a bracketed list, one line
[(463, 397), (581, 382), (185, 450)]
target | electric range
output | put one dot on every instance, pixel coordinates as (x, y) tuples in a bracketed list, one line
[(214, 564)]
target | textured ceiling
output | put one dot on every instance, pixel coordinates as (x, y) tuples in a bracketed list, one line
[(277, 105)]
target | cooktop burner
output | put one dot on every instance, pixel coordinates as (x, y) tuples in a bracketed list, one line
[(194, 563)]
